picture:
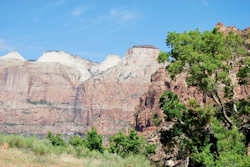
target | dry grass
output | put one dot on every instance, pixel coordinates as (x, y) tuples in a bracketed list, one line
[(14, 157), (19, 158)]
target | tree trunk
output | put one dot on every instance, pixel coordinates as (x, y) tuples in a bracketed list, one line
[(233, 98), (186, 162), (218, 101)]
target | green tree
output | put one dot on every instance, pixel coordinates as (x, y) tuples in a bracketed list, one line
[(191, 131), (209, 59), (199, 136), (207, 135)]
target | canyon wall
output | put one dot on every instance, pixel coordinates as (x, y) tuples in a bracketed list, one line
[(67, 94)]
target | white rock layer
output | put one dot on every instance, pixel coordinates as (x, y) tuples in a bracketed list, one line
[(12, 55), (75, 62), (86, 68), (111, 60)]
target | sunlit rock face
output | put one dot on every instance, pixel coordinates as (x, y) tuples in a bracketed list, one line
[(77, 63), (108, 101), (67, 94), (12, 56)]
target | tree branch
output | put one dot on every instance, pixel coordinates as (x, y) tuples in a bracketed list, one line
[(234, 105), (218, 101)]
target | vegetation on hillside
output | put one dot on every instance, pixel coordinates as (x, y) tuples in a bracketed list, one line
[(88, 151), (215, 133)]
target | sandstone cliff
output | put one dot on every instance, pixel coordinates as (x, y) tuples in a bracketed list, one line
[(67, 94)]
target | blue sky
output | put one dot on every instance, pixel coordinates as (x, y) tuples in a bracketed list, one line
[(93, 29)]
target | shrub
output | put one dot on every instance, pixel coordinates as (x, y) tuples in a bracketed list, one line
[(29, 141), (131, 144), (156, 119), (150, 149), (76, 141), (16, 141), (56, 140), (93, 141), (40, 148)]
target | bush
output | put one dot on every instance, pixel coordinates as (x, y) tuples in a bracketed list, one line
[(93, 141), (131, 144), (76, 141), (156, 119), (29, 141), (16, 141), (150, 149), (41, 148), (56, 140)]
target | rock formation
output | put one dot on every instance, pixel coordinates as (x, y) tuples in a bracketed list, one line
[(67, 94)]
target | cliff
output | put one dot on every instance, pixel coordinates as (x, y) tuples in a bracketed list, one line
[(66, 94)]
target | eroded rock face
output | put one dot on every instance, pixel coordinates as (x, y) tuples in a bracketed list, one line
[(67, 94), (107, 101)]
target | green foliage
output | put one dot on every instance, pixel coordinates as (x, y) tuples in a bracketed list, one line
[(204, 157), (214, 135), (76, 141), (208, 59), (41, 148), (130, 144), (171, 106), (190, 130), (230, 145), (163, 57), (150, 149), (42, 153), (244, 72), (93, 141), (156, 119), (199, 134), (56, 140), (16, 141)]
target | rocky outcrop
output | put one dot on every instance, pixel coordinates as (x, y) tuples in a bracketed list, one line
[(67, 94)]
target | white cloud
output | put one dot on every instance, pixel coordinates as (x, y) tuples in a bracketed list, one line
[(4, 45), (78, 11), (122, 15)]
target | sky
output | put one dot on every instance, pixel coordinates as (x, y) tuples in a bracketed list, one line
[(94, 29)]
